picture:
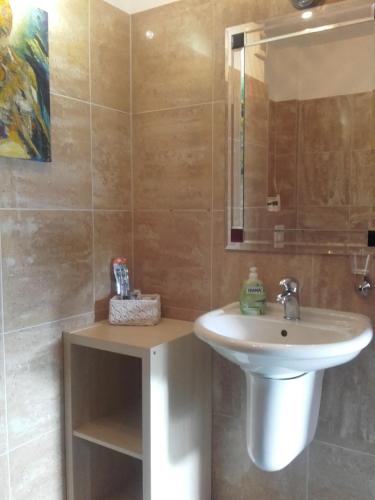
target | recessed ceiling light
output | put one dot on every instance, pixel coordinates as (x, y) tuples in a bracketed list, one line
[(150, 34)]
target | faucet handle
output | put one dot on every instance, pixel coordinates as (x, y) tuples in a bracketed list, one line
[(289, 285)]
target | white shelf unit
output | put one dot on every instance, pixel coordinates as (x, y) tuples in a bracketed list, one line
[(138, 413)]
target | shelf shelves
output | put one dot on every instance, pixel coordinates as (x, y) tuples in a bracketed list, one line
[(120, 432), (138, 406)]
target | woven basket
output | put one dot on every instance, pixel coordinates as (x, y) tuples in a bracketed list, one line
[(144, 311)]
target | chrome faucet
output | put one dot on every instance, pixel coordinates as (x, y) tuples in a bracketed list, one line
[(289, 298)]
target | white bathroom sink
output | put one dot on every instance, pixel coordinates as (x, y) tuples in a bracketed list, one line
[(278, 348), (284, 362)]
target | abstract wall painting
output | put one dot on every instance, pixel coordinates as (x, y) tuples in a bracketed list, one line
[(25, 130)]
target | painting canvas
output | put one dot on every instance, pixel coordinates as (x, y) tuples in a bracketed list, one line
[(24, 83)]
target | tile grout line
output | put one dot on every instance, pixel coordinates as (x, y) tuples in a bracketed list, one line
[(4, 366), (132, 195), (91, 163), (350, 450), (212, 158), (176, 108), (90, 103), (16, 209), (34, 439), (47, 323), (311, 294), (172, 210)]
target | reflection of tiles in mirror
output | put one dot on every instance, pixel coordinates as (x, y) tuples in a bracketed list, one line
[(309, 127), (320, 160)]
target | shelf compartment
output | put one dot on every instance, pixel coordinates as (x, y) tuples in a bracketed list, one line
[(104, 474), (121, 432)]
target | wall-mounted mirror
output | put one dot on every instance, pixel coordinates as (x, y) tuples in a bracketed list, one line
[(301, 131)]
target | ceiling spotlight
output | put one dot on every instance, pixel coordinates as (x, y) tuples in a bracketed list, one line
[(307, 14), (150, 34)]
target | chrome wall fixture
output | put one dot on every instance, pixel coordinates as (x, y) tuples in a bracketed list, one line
[(361, 269), (305, 4)]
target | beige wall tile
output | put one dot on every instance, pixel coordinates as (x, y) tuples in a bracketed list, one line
[(172, 257), (331, 272), (255, 177), (174, 68), (181, 313), (3, 423), (47, 266), (286, 127), (111, 159), (282, 179), (347, 412), (339, 473), (324, 179), (229, 387), (325, 124), (4, 478), (363, 120), (363, 178), (362, 217), (37, 469), (235, 476), (331, 242), (34, 369), (257, 121), (69, 48), (219, 156), (110, 56), (64, 183), (173, 158), (327, 218), (112, 238)]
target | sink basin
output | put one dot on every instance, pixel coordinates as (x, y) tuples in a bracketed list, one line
[(280, 348), (284, 363)]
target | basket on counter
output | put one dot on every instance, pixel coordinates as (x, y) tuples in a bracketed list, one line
[(145, 310)]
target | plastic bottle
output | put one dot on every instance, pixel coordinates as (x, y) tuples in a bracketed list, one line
[(253, 295)]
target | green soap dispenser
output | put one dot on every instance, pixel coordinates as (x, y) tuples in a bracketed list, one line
[(253, 295)]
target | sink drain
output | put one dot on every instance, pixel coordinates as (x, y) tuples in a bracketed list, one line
[(284, 333)]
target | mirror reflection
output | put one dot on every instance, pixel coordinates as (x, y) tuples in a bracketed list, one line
[(301, 131)]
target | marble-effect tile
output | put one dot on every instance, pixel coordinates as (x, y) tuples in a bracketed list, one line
[(34, 371), (110, 56), (47, 265), (339, 473), (235, 476), (111, 159), (3, 422), (172, 257), (4, 478), (179, 56), (173, 158), (69, 48), (112, 238), (37, 469)]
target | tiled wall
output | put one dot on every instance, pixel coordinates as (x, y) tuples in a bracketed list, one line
[(320, 161), (179, 131), (60, 224), (77, 213)]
